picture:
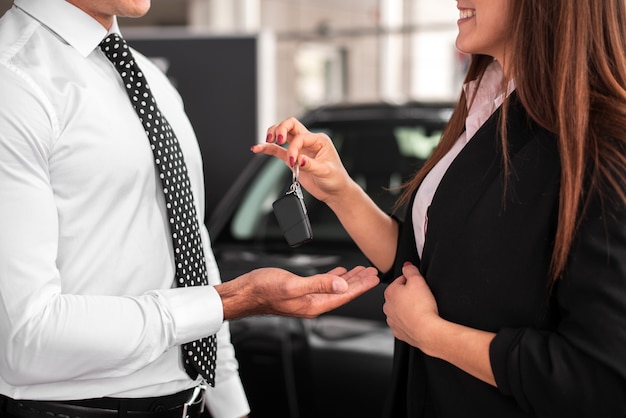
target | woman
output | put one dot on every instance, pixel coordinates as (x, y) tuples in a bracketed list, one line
[(510, 296)]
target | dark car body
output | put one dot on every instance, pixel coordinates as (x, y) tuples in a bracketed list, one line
[(339, 364)]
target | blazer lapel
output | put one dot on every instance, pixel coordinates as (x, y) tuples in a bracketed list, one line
[(478, 166)]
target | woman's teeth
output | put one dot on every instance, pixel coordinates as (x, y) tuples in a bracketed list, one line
[(466, 13)]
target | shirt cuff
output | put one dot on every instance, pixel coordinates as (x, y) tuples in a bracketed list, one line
[(227, 399), (196, 312)]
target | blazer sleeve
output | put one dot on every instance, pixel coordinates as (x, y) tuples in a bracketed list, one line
[(579, 367), (406, 248)]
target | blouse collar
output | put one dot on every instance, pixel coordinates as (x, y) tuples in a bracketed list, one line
[(483, 99)]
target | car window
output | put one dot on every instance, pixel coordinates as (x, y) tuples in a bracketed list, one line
[(257, 203), (380, 158), (417, 141)]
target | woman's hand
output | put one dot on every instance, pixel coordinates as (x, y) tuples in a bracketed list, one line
[(323, 175), (410, 307), (413, 316), (321, 172)]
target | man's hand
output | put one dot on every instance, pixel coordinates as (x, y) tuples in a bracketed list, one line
[(273, 291)]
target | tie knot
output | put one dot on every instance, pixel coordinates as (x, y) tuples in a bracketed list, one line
[(116, 50)]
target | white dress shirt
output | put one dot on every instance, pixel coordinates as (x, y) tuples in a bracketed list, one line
[(87, 307), (483, 100)]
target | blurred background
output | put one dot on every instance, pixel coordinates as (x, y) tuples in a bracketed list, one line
[(242, 65), (331, 50)]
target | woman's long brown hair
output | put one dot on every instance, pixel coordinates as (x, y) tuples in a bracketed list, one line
[(568, 60)]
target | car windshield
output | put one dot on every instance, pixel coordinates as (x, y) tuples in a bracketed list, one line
[(378, 156)]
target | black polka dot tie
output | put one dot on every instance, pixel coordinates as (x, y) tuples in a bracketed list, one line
[(198, 356)]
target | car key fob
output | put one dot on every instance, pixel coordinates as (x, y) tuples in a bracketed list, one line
[(291, 214)]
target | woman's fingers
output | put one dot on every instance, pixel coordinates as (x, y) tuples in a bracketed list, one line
[(281, 132)]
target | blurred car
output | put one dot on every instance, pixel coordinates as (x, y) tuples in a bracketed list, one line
[(339, 364)]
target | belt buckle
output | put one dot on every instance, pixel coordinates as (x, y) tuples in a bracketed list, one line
[(197, 393)]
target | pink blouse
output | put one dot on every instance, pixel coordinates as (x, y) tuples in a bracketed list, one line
[(488, 97)]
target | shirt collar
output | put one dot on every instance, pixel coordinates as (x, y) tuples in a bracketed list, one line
[(70, 23)]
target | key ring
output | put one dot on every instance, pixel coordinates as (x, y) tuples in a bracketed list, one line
[(295, 174)]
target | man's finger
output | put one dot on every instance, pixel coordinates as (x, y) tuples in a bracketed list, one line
[(364, 281), (317, 284), (358, 272), (338, 271)]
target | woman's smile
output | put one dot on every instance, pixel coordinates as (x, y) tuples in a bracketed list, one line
[(465, 14)]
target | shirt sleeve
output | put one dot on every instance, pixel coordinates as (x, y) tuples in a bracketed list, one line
[(46, 334), (391, 274), (579, 368)]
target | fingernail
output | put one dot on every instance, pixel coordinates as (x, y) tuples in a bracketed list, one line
[(252, 148), (268, 138), (292, 161), (406, 263), (279, 140), (302, 161), (339, 287)]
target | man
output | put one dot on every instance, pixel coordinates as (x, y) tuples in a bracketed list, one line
[(93, 305)]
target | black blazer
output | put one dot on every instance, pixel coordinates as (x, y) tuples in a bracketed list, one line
[(486, 259)]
